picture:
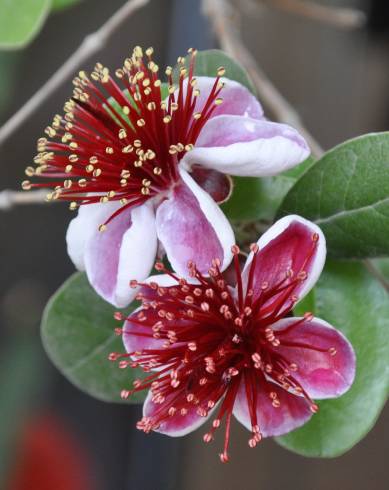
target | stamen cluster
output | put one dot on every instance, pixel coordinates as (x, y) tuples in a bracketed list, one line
[(213, 341), (123, 144)]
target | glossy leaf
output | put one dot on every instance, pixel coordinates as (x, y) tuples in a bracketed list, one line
[(346, 193), (20, 21), (349, 298), (78, 335)]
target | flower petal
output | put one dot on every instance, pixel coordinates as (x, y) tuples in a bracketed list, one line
[(237, 99), (84, 226), (291, 244), (217, 185), (245, 146), (116, 256), (177, 425), (192, 227), (326, 374), (273, 421)]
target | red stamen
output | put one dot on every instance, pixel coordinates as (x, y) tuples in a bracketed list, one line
[(113, 145), (212, 342)]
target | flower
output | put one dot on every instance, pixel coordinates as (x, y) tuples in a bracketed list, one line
[(151, 167), (212, 349)]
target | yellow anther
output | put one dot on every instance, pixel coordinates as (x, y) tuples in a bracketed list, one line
[(30, 171), (26, 185), (102, 228), (122, 134)]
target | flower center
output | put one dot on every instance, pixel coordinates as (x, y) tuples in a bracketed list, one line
[(116, 144), (212, 341)]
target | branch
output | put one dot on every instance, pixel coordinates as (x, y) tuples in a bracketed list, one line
[(345, 18), (89, 46), (221, 16), (9, 199)]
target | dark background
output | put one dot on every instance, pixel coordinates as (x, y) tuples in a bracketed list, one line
[(336, 79)]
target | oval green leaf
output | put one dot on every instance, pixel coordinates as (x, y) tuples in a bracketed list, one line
[(20, 23), (346, 193), (78, 335), (349, 298)]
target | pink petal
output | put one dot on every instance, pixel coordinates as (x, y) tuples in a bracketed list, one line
[(237, 99), (321, 374), (217, 185), (288, 245), (177, 425), (273, 421), (113, 257), (245, 146), (192, 227)]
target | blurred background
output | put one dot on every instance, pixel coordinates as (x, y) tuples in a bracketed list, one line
[(53, 436)]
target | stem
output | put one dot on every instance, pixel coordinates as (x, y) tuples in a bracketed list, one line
[(344, 18), (9, 199), (89, 46)]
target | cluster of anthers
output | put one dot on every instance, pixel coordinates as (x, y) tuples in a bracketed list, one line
[(124, 145), (205, 341)]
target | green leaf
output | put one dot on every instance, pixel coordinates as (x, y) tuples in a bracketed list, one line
[(62, 4), (259, 198), (20, 23), (208, 62), (349, 298), (78, 335), (346, 193)]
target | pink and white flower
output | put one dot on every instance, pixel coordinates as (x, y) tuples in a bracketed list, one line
[(153, 169), (211, 349)]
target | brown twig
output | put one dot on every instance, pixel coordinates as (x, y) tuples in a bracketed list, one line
[(89, 46), (221, 16), (344, 18), (8, 198)]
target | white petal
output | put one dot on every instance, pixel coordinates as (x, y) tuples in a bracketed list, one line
[(244, 146)]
